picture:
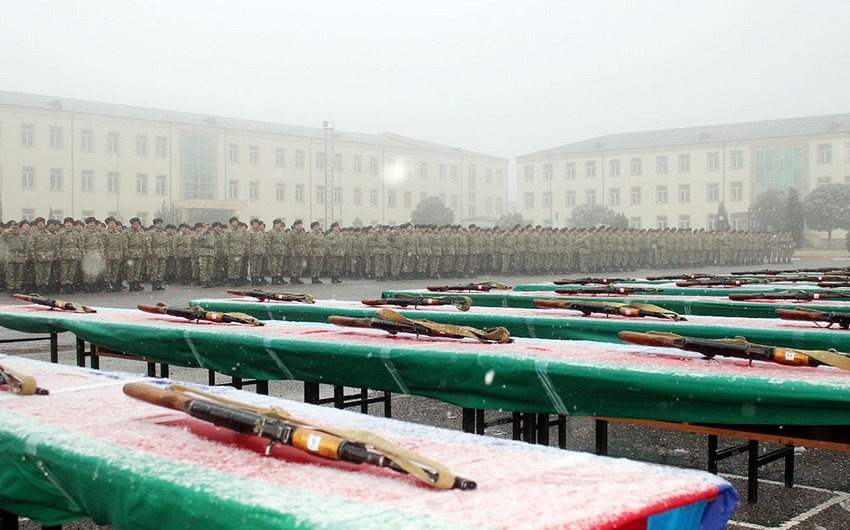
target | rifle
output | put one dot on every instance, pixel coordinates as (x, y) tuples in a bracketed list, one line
[(19, 383), (738, 347), (813, 315), (268, 295), (393, 323), (592, 281), (802, 296), (693, 276), (482, 286), (403, 300), (768, 272), (277, 426), (610, 308), (608, 289), (54, 304), (724, 282), (197, 313), (833, 284)]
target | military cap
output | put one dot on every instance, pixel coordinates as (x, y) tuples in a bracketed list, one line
[(38, 220), (90, 220), (199, 225), (277, 222), (52, 222), (12, 224), (110, 218), (135, 220), (68, 220), (314, 224), (334, 224), (157, 220), (234, 218)]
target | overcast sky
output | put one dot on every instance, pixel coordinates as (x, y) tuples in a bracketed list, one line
[(501, 77)]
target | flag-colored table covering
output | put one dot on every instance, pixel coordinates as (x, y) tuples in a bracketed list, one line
[(87, 450), (530, 375), (557, 323), (684, 305)]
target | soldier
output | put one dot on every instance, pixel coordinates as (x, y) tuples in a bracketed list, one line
[(115, 246), (159, 249), (15, 251), (42, 252), (276, 252), (93, 256), (316, 251), (136, 250), (335, 253), (205, 242), (257, 252), (183, 254), (69, 252), (299, 250)]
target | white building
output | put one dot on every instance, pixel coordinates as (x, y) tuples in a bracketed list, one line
[(678, 177), (64, 157)]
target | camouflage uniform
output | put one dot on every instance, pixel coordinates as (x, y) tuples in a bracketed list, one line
[(69, 253), (159, 249)]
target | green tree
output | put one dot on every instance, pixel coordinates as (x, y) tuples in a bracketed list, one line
[(590, 215), (722, 219), (768, 210), (432, 211), (620, 221), (794, 221), (510, 220), (828, 208)]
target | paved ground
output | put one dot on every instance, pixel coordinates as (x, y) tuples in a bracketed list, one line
[(819, 500)]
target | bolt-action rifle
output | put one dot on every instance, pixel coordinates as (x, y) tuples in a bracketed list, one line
[(833, 284), (738, 347), (404, 300), (20, 383), (592, 281), (269, 295), (197, 313), (608, 289), (55, 304), (693, 276), (393, 323), (802, 296), (813, 315), (843, 271), (610, 308), (482, 286), (721, 282), (277, 426)]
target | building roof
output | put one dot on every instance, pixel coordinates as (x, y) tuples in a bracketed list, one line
[(80, 106), (809, 125)]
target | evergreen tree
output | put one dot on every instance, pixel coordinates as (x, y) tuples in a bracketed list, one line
[(722, 219), (828, 208), (432, 211), (794, 221), (590, 215)]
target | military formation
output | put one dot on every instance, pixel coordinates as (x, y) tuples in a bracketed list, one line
[(91, 255)]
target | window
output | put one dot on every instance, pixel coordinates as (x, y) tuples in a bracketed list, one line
[(27, 214), (547, 200), (453, 174), (470, 210), (823, 180), (661, 222), (112, 182), (27, 134), (280, 157), (684, 193), (254, 155), (614, 197), (472, 181), (199, 166), (160, 185), (712, 192), (590, 169), (299, 193), (337, 161), (637, 166), (141, 184), (661, 164), (570, 171), (280, 192), (442, 172), (299, 159), (358, 196), (357, 164), (685, 221), (391, 198), (141, 145), (453, 205), (488, 205), (635, 196), (337, 195), (824, 153), (28, 178), (547, 172), (685, 163), (161, 147), (528, 201), (736, 191), (529, 173), (661, 195), (711, 221), (320, 160), (87, 181), (233, 153), (712, 161), (471, 170), (499, 205), (373, 197), (499, 177), (56, 137), (614, 167), (423, 170), (488, 176), (320, 195), (736, 159), (233, 189), (570, 199), (254, 190), (634, 222), (113, 143), (374, 166), (55, 179), (590, 197), (87, 140), (408, 199), (56, 214)]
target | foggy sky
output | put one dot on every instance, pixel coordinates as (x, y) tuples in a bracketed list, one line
[(500, 77)]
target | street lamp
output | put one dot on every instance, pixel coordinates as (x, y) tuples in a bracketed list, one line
[(118, 182)]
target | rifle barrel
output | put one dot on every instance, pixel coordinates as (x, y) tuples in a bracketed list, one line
[(350, 322)]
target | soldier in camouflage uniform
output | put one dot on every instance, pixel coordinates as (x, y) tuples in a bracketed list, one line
[(183, 254), (43, 252), (136, 250), (15, 252), (93, 256), (335, 248), (257, 252), (206, 242), (276, 252), (159, 249), (316, 251), (115, 246), (299, 249), (69, 252)]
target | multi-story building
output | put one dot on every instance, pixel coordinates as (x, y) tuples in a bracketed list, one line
[(679, 177), (64, 157)]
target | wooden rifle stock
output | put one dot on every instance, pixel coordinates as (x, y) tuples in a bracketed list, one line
[(269, 295), (813, 315), (591, 281), (57, 304), (463, 303), (390, 326), (198, 313)]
